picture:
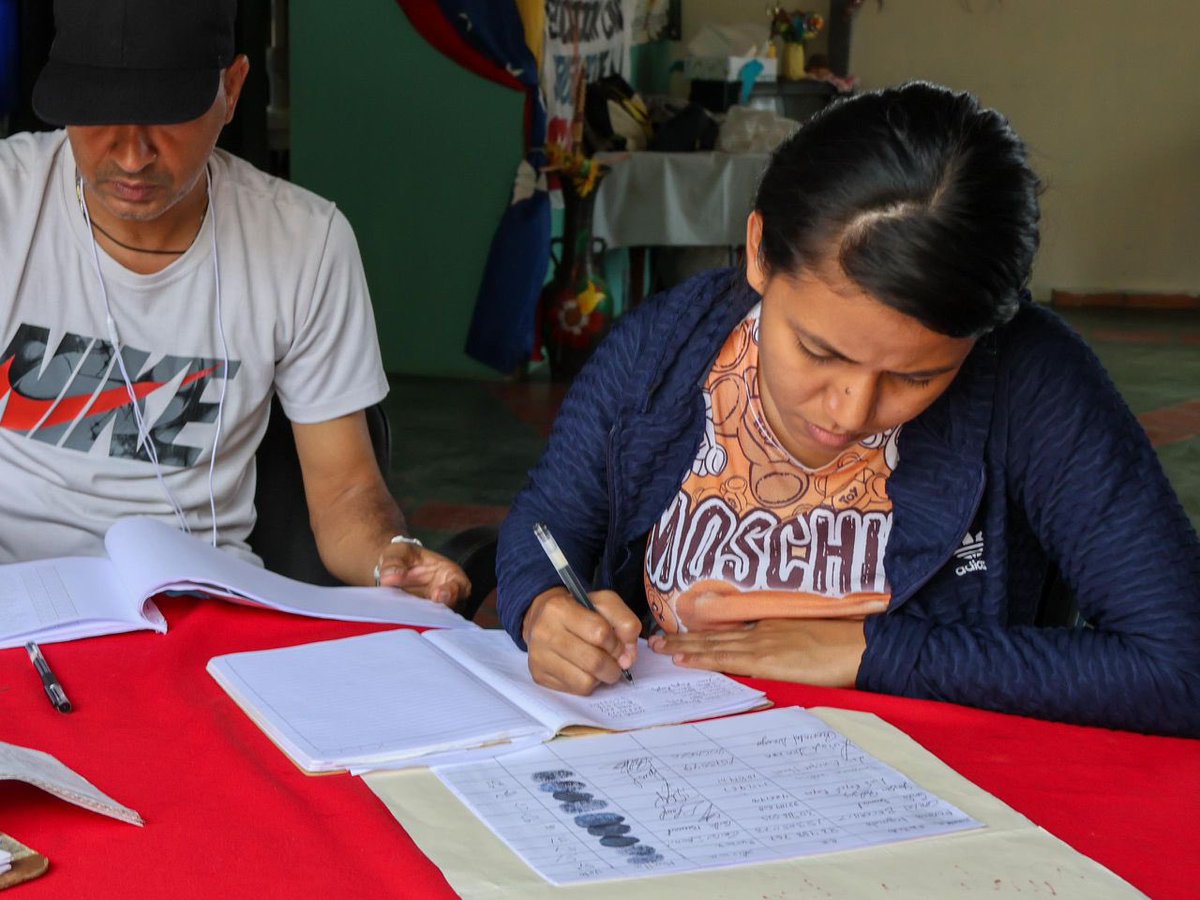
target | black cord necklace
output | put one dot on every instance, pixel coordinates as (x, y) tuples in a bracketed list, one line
[(96, 225), (122, 244)]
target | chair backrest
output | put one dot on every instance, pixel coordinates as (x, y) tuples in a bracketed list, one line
[(475, 550), (282, 535)]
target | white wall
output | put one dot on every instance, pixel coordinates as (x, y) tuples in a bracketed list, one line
[(1105, 92)]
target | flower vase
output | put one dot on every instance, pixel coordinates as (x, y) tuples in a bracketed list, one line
[(791, 66), (576, 306)]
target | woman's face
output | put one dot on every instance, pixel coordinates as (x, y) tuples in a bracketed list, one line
[(837, 365)]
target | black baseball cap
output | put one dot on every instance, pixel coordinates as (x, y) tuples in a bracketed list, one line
[(134, 62)]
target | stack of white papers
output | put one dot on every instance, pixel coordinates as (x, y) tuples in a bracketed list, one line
[(769, 786), (72, 597), (400, 698)]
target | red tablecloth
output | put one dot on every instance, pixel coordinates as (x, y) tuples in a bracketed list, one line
[(227, 815)]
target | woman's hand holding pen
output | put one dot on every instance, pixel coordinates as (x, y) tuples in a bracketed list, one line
[(573, 649)]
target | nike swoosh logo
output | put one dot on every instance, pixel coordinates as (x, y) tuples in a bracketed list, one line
[(23, 413)]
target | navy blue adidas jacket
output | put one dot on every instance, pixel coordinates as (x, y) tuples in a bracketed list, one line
[(1030, 450)]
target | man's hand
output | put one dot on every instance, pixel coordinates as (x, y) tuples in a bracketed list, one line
[(573, 649), (824, 652), (422, 572)]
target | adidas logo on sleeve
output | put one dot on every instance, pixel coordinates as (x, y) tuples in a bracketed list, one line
[(971, 552)]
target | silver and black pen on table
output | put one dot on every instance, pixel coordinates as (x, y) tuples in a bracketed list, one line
[(54, 689)]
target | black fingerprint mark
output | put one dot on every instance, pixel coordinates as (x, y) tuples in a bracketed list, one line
[(597, 820), (643, 855), (605, 830), (549, 786), (616, 840), (609, 827), (572, 797), (552, 775), (580, 806)]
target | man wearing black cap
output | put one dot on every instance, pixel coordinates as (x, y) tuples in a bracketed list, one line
[(157, 291)]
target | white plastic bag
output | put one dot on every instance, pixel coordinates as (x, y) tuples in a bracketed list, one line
[(747, 130), (747, 39)]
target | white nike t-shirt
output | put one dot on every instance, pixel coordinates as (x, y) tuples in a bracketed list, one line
[(296, 318)]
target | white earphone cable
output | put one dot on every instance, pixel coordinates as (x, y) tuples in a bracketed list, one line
[(212, 461), (144, 438)]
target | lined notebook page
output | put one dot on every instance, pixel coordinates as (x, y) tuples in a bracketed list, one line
[(152, 556), (364, 700), (60, 599), (662, 693), (773, 785)]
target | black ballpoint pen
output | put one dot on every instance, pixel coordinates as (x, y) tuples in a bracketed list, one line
[(566, 573), (54, 690)]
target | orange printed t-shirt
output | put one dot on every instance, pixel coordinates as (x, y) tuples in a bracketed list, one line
[(754, 534)]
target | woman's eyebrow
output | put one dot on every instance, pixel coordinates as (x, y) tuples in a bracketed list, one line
[(823, 346)]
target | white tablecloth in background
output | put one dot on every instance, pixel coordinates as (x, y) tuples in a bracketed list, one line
[(677, 199)]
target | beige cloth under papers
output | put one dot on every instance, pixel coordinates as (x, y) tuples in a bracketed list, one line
[(1011, 857)]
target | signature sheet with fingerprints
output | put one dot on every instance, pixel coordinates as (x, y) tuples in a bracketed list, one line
[(754, 788)]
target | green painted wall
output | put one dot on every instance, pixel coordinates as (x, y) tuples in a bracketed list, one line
[(418, 153)]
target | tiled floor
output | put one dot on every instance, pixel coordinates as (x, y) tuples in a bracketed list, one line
[(462, 448), (1154, 358)]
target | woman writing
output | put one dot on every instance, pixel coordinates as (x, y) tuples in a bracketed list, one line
[(860, 461)]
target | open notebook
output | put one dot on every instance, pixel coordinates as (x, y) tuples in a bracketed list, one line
[(398, 698), (81, 596)]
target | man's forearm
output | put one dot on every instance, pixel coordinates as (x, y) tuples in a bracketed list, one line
[(352, 531)]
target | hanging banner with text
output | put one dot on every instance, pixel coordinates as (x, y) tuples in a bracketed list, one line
[(600, 32)]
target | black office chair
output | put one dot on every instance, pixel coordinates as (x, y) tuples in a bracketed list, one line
[(475, 550), (284, 540)]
